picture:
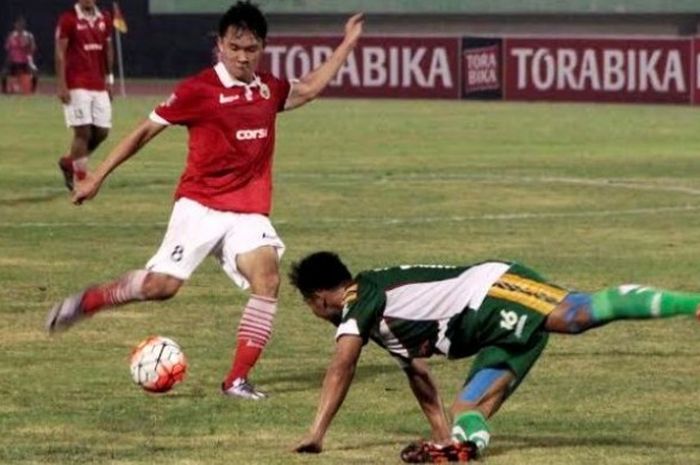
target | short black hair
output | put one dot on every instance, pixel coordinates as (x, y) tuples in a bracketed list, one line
[(244, 15), (317, 272)]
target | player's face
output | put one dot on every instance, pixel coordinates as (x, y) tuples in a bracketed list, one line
[(87, 4), (240, 52), (327, 304)]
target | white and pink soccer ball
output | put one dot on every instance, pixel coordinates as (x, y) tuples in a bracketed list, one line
[(157, 364)]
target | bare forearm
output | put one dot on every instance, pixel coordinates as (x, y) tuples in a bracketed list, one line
[(128, 147), (318, 79), (110, 58), (60, 68), (335, 388), (425, 391), (313, 83)]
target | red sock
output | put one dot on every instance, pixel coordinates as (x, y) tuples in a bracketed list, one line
[(124, 290), (253, 334), (80, 168)]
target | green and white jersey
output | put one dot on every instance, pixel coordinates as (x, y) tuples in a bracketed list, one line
[(417, 310)]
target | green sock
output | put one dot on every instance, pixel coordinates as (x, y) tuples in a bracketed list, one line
[(632, 301), (472, 426)]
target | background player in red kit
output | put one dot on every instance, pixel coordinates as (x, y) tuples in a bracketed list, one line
[(84, 58), (223, 199), (20, 47)]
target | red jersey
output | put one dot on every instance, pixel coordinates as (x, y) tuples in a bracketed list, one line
[(20, 47), (231, 128), (86, 56)]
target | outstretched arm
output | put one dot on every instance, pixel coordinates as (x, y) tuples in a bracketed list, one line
[(426, 392), (335, 387), (88, 188), (312, 84)]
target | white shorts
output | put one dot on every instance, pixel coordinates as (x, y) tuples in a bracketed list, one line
[(195, 231), (88, 107)]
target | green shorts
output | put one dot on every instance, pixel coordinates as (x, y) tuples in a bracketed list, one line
[(507, 330)]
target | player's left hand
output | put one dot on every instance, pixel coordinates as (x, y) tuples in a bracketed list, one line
[(309, 445), (110, 92), (353, 28)]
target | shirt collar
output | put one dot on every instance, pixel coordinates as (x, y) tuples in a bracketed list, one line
[(228, 81), (82, 15)]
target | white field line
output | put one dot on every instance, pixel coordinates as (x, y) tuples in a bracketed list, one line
[(387, 220), (352, 178), (366, 178)]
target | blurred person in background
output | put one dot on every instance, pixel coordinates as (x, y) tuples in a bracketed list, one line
[(84, 61), (20, 48)]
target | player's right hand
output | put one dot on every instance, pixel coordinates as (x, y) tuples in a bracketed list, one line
[(86, 189), (309, 445), (63, 95)]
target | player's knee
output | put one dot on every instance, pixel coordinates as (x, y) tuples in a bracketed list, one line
[(82, 134), (160, 287), (97, 137), (573, 316)]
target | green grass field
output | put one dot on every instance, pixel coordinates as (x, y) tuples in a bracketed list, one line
[(589, 195)]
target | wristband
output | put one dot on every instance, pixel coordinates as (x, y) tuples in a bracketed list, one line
[(110, 79)]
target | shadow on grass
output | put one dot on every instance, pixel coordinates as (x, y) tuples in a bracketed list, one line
[(518, 443), (35, 198), (303, 380)]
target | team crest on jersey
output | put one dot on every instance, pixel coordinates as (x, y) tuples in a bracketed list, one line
[(101, 25), (350, 295), (265, 91)]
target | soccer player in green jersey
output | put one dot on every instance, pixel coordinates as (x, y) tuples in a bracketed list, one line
[(499, 311)]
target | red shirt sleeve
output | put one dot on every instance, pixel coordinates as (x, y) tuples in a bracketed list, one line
[(65, 26), (182, 107), (280, 90)]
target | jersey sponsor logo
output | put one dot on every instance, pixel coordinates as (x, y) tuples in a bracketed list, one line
[(92, 47), (251, 134), (82, 27), (224, 99)]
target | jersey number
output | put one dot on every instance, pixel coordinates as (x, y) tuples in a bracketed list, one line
[(510, 321), (177, 252)]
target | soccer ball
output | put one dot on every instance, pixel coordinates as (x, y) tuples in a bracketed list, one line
[(157, 364)]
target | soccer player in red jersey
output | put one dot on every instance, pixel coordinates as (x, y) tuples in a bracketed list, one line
[(84, 58), (20, 47), (222, 202)]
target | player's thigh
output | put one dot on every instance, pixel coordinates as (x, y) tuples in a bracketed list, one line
[(250, 233), (78, 112), (101, 110), (194, 231), (512, 336)]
